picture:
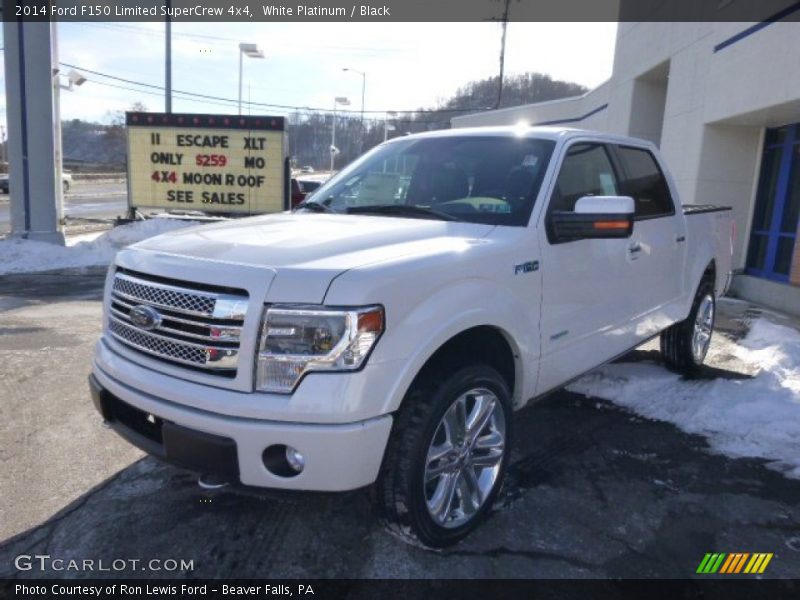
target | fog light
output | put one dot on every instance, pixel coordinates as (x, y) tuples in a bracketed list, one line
[(296, 460)]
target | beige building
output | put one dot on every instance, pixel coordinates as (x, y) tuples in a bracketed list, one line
[(722, 100)]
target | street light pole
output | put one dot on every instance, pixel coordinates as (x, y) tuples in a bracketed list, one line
[(363, 94), (253, 51), (392, 114), (334, 151), (333, 135)]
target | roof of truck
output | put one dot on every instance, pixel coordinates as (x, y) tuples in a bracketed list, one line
[(542, 132)]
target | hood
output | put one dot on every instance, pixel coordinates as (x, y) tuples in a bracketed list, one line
[(312, 241)]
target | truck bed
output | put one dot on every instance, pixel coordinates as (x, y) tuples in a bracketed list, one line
[(710, 234)]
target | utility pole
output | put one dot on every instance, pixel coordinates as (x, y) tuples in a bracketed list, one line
[(502, 55), (168, 62)]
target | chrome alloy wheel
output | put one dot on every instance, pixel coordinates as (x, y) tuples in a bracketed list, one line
[(465, 457), (703, 325)]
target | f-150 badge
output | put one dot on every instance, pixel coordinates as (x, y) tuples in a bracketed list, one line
[(528, 267)]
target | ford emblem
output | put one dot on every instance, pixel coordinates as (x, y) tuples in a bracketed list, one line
[(145, 317)]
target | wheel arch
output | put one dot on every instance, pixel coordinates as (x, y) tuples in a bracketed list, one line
[(485, 344), (709, 274), (699, 274)]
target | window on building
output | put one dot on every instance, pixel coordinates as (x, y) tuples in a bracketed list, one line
[(644, 182), (586, 171), (777, 208)]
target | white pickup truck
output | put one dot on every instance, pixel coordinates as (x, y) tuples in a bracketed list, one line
[(384, 332)]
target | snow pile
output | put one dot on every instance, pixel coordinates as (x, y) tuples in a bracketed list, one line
[(18, 255), (757, 417)]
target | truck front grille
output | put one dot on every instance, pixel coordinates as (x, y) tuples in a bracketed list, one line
[(160, 296), (190, 325)]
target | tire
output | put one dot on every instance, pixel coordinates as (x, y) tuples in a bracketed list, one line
[(684, 345), (412, 489)]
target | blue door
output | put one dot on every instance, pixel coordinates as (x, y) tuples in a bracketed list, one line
[(774, 228)]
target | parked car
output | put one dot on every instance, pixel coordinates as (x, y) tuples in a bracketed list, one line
[(66, 182), (309, 186), (297, 192), (301, 188), (307, 169), (385, 332)]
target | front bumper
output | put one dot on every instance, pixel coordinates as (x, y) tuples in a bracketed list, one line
[(338, 457)]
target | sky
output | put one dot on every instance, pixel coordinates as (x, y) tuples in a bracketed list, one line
[(407, 65)]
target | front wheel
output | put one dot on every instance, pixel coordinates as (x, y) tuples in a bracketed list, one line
[(684, 345), (447, 456)]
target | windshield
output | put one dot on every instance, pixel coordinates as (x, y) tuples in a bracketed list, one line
[(479, 179)]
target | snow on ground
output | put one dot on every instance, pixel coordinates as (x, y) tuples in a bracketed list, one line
[(18, 255), (757, 417)]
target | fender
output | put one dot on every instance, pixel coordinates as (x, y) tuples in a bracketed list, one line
[(414, 333), (695, 269)]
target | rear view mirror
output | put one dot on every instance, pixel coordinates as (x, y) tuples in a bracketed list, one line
[(594, 217)]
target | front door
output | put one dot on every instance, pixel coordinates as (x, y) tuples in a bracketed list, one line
[(587, 300)]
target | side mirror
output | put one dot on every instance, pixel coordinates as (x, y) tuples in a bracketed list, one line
[(594, 217)]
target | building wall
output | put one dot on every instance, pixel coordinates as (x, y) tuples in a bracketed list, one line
[(705, 93)]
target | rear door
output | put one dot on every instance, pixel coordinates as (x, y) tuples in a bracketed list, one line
[(658, 244), (587, 300)]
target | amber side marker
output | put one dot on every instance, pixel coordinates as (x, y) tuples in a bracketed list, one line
[(611, 224)]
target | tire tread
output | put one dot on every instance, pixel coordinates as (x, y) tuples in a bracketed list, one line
[(676, 341)]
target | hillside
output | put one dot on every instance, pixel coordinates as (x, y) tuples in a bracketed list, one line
[(96, 145)]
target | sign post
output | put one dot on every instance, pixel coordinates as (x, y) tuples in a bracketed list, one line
[(211, 163)]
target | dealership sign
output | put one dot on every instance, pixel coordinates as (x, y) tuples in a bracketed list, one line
[(209, 163)]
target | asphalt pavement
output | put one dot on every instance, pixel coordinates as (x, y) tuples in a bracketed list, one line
[(593, 490)]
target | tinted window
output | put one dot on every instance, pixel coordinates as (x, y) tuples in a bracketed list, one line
[(480, 179), (644, 182), (585, 171)]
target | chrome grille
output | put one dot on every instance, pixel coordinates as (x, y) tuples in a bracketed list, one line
[(157, 345), (162, 296), (199, 328)]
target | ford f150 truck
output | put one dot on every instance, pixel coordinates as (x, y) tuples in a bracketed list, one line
[(384, 332)]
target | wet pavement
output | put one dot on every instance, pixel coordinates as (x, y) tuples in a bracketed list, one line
[(593, 490)]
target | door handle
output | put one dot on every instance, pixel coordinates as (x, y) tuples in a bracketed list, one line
[(680, 239), (635, 248)]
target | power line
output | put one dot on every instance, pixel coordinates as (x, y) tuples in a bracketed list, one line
[(269, 105), (149, 93), (233, 103)]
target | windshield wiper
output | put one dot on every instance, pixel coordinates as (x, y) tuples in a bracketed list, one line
[(315, 207), (403, 210)]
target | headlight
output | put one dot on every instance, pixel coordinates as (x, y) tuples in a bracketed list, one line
[(297, 340)]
